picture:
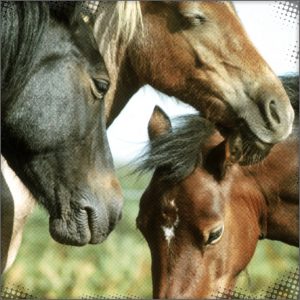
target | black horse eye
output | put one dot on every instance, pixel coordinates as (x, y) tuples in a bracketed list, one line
[(215, 235), (101, 85)]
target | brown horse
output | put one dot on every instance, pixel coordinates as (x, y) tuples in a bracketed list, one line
[(198, 52), (202, 216)]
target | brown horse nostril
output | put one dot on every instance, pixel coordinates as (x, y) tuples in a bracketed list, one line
[(273, 111)]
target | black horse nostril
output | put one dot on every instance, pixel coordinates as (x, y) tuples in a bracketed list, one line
[(120, 216), (115, 215), (273, 111)]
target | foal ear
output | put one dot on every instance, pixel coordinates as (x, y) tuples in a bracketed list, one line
[(159, 123), (224, 155), (216, 161)]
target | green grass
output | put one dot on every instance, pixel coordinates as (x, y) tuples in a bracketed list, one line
[(121, 265)]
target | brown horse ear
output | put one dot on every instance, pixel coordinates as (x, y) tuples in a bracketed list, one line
[(224, 155), (159, 123)]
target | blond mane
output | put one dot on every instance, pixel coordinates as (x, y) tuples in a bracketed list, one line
[(117, 19), (129, 19)]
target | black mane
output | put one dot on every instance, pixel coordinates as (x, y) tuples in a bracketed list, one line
[(22, 26), (291, 85), (177, 153)]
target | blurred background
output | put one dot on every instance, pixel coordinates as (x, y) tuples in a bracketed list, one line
[(120, 267)]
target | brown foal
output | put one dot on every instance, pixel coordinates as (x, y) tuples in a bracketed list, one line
[(202, 214)]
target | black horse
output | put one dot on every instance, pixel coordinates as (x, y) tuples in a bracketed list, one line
[(52, 116)]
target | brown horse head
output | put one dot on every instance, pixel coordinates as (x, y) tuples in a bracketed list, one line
[(202, 215), (199, 52)]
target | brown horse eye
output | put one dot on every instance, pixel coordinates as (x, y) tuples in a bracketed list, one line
[(197, 19), (200, 18), (194, 18), (215, 235)]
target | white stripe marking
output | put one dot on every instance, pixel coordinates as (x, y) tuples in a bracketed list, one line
[(169, 233)]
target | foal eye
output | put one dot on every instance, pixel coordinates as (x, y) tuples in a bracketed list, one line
[(100, 87), (215, 235)]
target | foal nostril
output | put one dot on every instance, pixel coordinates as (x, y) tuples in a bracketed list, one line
[(273, 111)]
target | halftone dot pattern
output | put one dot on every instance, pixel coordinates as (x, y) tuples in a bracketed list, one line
[(287, 287), (115, 296), (287, 12), (293, 53), (233, 294), (15, 292)]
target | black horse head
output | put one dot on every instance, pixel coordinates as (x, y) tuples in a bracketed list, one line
[(53, 119)]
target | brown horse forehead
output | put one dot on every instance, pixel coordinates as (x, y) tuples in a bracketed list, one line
[(201, 193), (207, 5), (220, 8)]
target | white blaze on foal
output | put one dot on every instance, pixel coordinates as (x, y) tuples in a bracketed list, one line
[(169, 230), (169, 233)]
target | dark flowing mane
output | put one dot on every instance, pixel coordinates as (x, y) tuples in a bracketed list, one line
[(291, 85), (177, 153), (22, 26)]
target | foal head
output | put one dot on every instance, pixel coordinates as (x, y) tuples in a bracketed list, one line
[(199, 52), (200, 236), (53, 124)]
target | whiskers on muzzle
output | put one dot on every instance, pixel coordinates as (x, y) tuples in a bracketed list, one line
[(253, 149)]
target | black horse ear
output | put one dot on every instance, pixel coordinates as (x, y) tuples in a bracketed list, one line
[(63, 11), (159, 123)]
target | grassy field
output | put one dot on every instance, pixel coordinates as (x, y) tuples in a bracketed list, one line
[(121, 266)]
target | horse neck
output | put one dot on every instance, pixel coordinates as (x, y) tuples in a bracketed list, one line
[(124, 81), (247, 201), (277, 179), (124, 85)]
